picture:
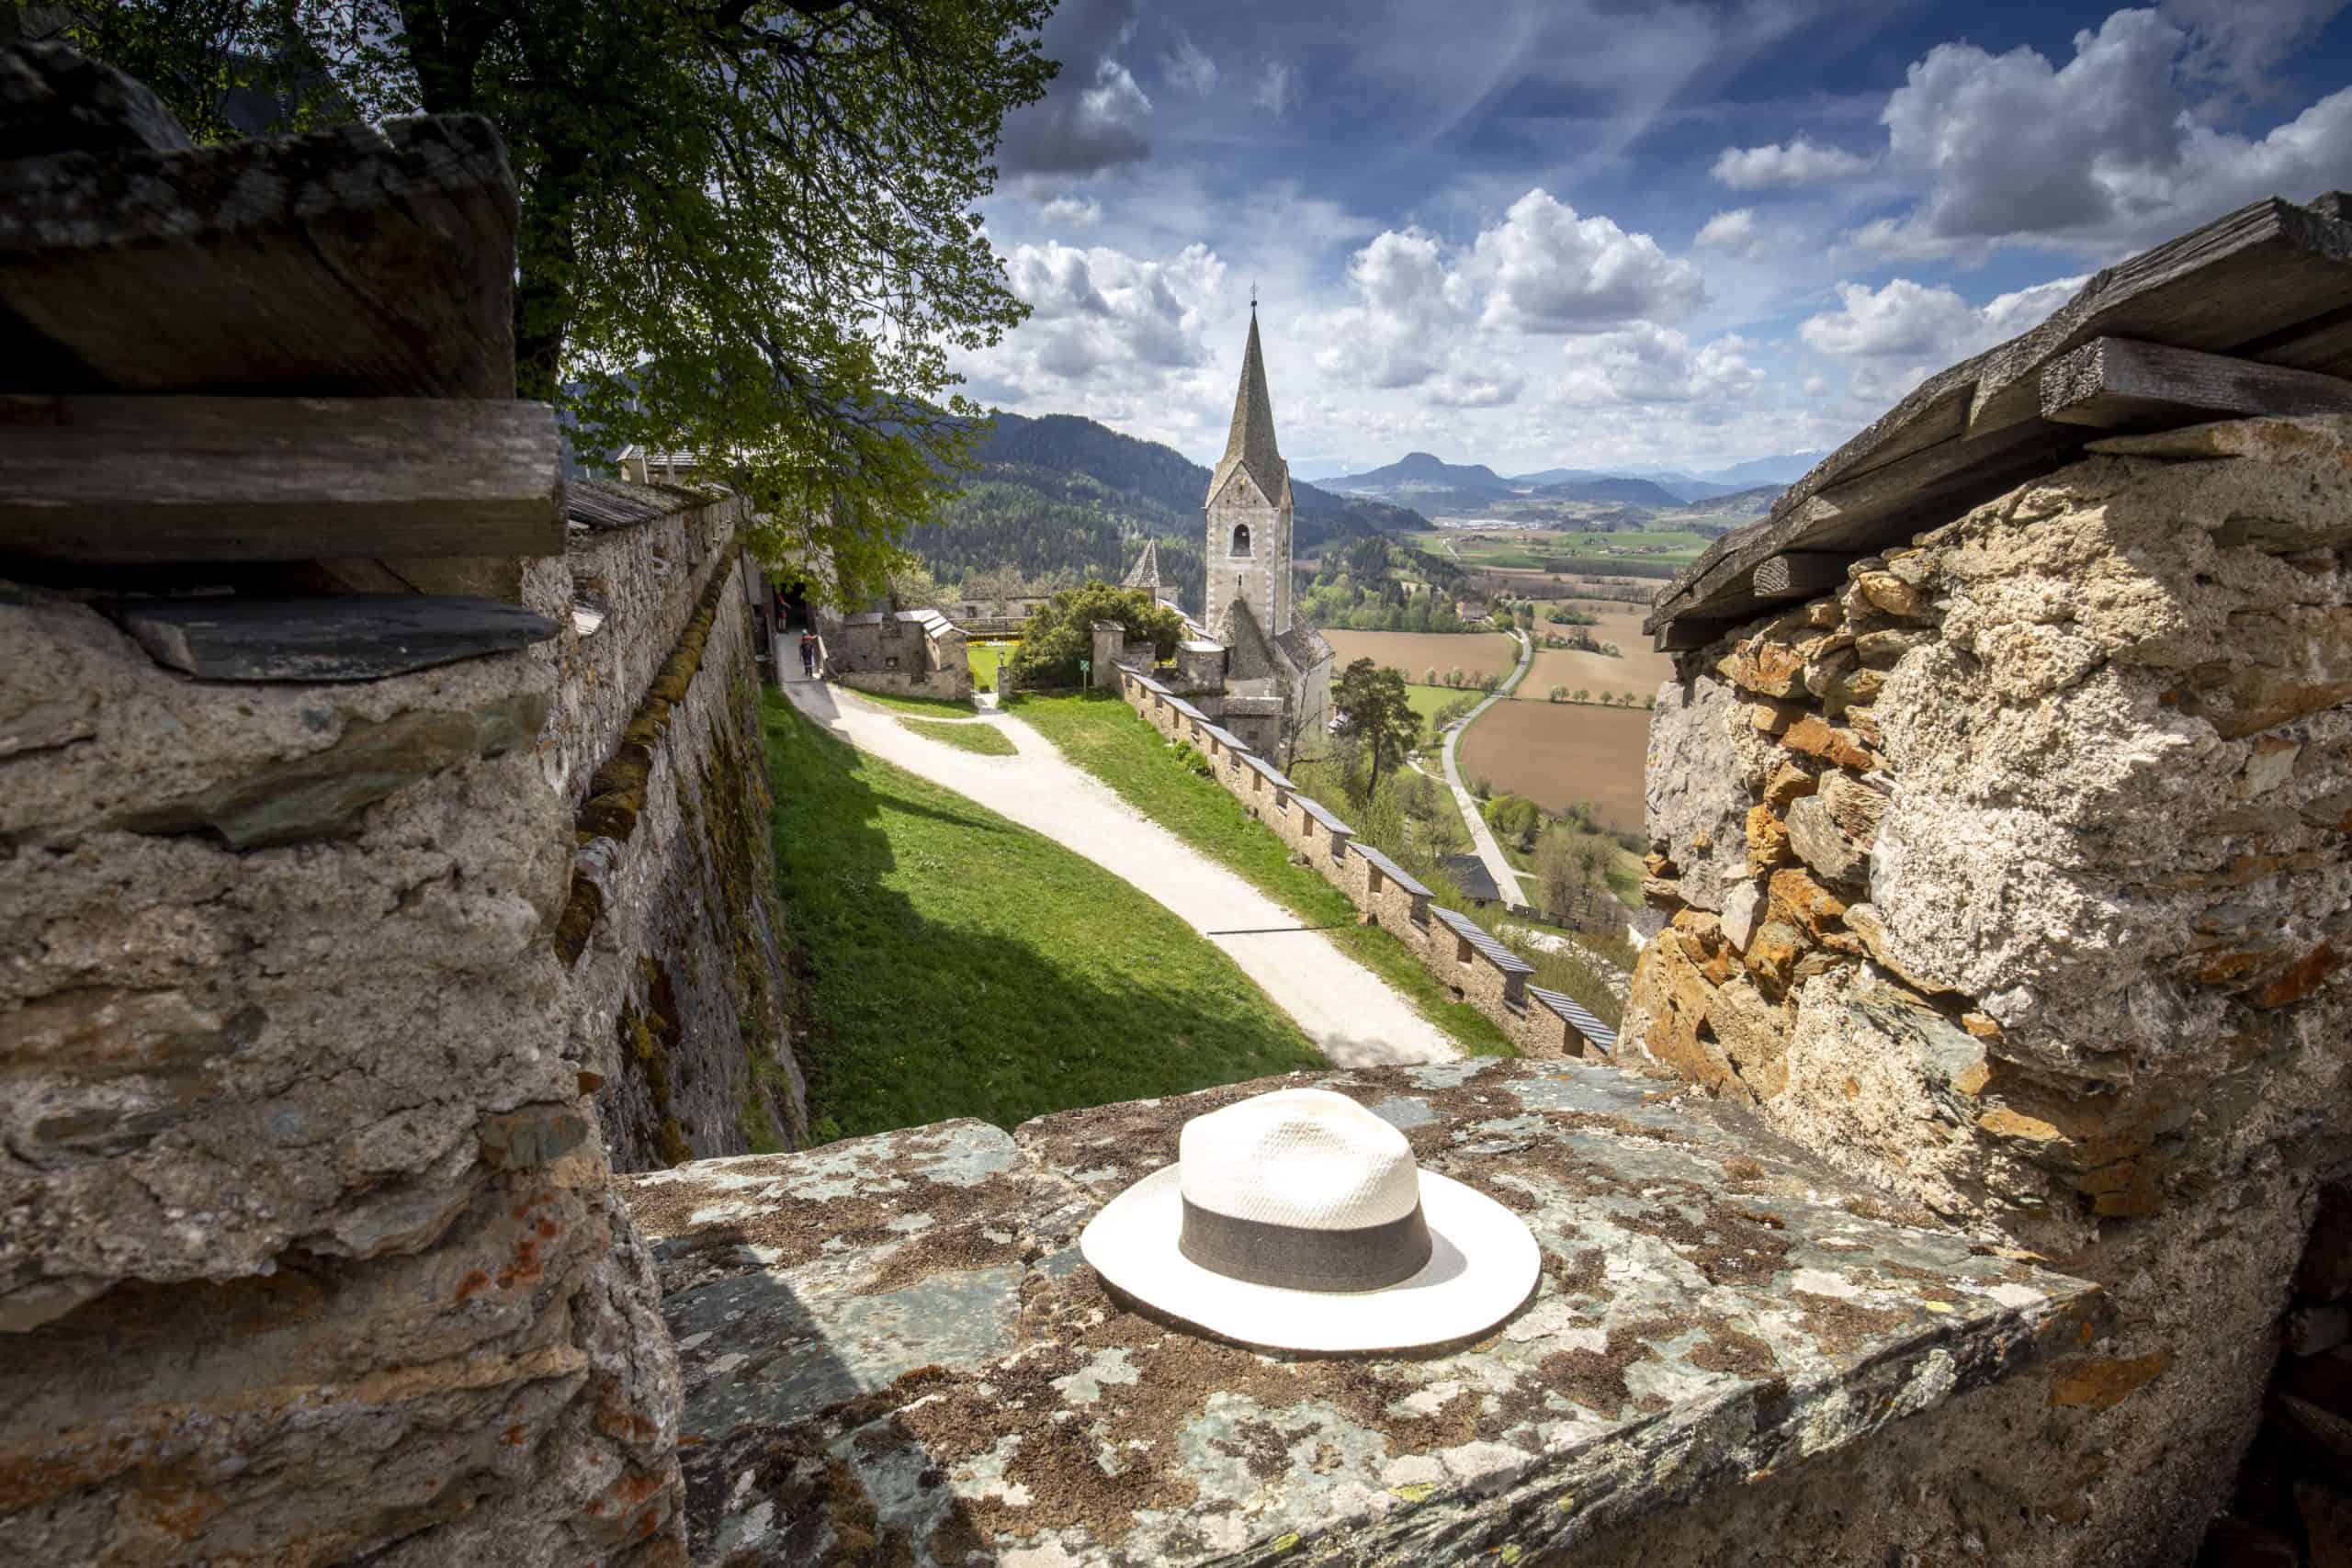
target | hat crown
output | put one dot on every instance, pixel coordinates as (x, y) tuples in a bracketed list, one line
[(1303, 1158)]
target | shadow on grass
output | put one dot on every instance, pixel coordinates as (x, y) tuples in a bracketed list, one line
[(956, 964)]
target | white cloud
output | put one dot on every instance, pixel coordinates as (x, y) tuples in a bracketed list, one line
[(2237, 42), (1892, 338), (1191, 68), (1100, 315), (1276, 90), (1735, 233), (1799, 162), (1545, 269), (2102, 154), (1399, 330), (1073, 211), (1649, 364)]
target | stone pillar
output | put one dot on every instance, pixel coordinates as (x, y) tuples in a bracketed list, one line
[(2012, 877), (1110, 646), (310, 1251)]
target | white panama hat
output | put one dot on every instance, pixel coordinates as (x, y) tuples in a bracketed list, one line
[(1298, 1221)]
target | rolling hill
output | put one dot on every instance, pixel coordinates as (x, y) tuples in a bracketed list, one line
[(1062, 494)]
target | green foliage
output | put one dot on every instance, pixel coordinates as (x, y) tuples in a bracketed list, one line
[(1376, 714), (746, 231), (1192, 763), (1062, 632), (960, 966), (1514, 818), (1570, 616)]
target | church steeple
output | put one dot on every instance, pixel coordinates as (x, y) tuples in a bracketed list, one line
[(1250, 443)]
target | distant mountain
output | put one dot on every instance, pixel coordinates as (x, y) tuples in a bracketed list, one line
[(1565, 476), (1421, 472), (1755, 501), (1062, 494), (1631, 493), (1783, 471)]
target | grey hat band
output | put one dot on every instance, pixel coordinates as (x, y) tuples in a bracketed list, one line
[(1295, 1257)]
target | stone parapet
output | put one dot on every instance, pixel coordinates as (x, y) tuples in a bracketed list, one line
[(1476, 969), (2011, 877), (894, 1352), (671, 936), (310, 1252)]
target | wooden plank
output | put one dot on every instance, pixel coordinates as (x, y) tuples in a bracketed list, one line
[(1681, 635), (131, 479), (2249, 275), (344, 264), (1800, 574), (2271, 274), (350, 637), (2118, 384)]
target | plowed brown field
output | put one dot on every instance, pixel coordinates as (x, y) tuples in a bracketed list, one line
[(1557, 753), (1474, 653)]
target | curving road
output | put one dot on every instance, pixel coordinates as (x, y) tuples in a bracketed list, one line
[(1353, 1015), (1504, 875)]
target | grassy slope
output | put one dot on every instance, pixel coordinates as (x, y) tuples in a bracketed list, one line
[(967, 736), (1103, 735), (961, 965)]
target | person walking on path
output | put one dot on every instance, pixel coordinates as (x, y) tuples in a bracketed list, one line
[(809, 655)]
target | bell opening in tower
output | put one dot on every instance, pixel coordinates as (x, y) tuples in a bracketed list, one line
[(1240, 539)]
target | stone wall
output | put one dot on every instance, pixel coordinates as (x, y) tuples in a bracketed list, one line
[(1475, 967), (911, 653), (2011, 878), (674, 1001), (310, 1250)]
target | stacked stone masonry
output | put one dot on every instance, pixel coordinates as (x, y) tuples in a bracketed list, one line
[(309, 1250), (1475, 967), (675, 994), (2011, 878)]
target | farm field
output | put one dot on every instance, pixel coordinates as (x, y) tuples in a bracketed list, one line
[(1474, 653), (1557, 753), (1639, 670)]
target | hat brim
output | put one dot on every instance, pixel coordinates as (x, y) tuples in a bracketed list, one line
[(1482, 1263)]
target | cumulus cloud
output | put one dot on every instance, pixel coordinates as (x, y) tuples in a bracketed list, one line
[(1276, 90), (1778, 167), (1094, 116), (2236, 43), (1100, 315), (2138, 162), (1074, 211), (1543, 268), (1649, 364), (1397, 332), (1191, 68), (1893, 337), (1735, 233)]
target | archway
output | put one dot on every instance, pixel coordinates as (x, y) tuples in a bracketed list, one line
[(1240, 539)]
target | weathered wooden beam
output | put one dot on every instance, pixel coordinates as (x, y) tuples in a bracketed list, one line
[(2249, 275), (131, 479), (350, 637), (1798, 574), (2271, 281), (344, 264), (1681, 635), (2118, 384)]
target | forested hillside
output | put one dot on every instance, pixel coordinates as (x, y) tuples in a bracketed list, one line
[(1065, 494)]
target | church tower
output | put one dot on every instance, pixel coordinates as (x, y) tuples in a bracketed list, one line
[(1249, 510)]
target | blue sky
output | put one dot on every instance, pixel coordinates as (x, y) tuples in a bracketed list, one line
[(1565, 232)]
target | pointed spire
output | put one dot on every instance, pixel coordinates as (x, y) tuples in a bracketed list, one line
[(1145, 573), (1251, 442)]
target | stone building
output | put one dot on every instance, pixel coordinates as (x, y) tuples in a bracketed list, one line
[(917, 653), (1255, 667)]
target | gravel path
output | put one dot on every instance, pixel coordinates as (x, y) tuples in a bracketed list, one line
[(1504, 875), (1355, 1017)]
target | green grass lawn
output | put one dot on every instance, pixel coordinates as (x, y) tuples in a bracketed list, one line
[(970, 735), (958, 965), (982, 656), (1102, 734), (921, 708), (1427, 700)]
